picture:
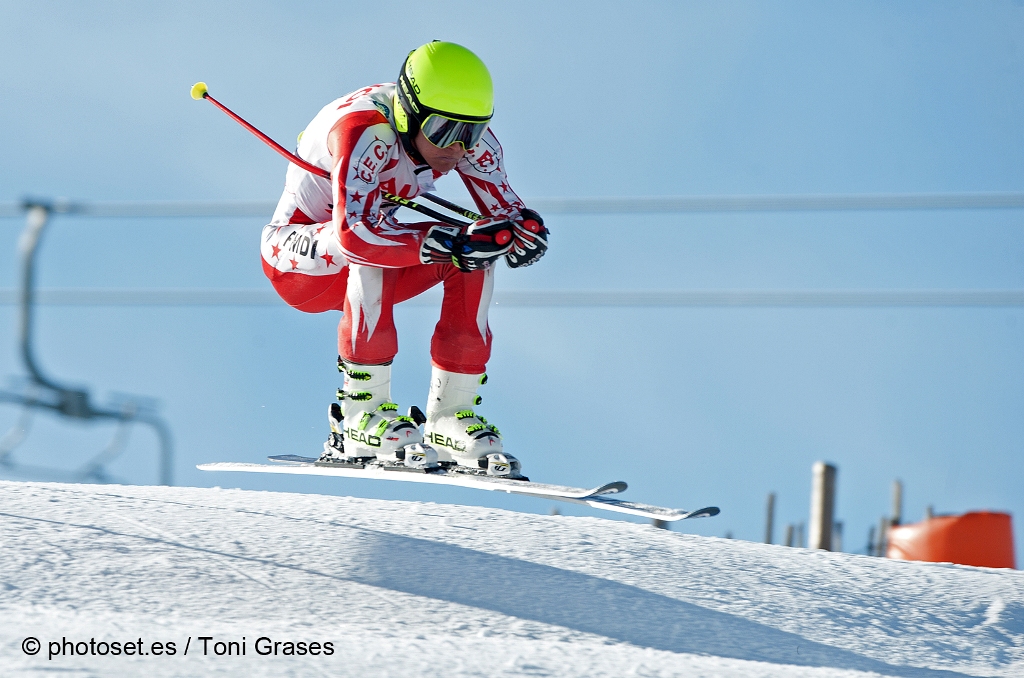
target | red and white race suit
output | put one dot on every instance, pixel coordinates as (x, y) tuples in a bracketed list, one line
[(336, 245)]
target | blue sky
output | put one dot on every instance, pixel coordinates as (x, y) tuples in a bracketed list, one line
[(691, 406)]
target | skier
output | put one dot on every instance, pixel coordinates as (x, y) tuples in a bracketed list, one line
[(337, 245)]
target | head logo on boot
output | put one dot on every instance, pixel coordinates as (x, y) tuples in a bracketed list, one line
[(446, 441), (358, 436)]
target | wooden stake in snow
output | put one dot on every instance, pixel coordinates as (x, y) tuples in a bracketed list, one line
[(897, 502), (882, 545), (769, 519), (823, 502)]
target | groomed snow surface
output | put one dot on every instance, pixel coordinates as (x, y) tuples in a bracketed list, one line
[(420, 589)]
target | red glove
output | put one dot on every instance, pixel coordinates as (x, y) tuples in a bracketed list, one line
[(529, 240), (476, 248)]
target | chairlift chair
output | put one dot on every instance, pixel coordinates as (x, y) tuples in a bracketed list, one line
[(42, 393)]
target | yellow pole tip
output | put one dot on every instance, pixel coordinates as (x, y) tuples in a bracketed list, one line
[(199, 90)]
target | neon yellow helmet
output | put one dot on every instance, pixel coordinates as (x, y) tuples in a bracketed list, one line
[(445, 91)]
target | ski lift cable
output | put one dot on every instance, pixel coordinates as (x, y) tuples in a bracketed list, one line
[(601, 205), (692, 298)]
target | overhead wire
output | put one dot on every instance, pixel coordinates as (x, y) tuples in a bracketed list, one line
[(794, 298), (603, 205), (562, 298)]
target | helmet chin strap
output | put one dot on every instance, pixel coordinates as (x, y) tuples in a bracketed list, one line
[(410, 148)]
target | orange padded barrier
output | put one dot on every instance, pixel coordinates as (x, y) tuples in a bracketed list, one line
[(980, 538)]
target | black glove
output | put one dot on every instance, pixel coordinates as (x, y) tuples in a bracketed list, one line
[(476, 248), (529, 240)]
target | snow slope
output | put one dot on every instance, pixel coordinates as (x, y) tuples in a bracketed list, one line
[(407, 588)]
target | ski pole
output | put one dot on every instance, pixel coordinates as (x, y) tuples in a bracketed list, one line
[(199, 91), (405, 202), (469, 214)]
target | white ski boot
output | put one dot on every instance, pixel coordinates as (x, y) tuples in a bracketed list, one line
[(367, 425), (457, 432)]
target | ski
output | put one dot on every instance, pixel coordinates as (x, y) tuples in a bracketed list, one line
[(597, 497)]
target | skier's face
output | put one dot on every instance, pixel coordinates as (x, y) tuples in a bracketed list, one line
[(443, 160)]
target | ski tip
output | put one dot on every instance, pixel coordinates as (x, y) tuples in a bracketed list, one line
[(616, 487), (706, 512), (199, 91)]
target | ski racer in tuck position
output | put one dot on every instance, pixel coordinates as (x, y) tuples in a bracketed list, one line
[(337, 245)]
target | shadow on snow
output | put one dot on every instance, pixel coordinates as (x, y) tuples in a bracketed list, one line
[(586, 603), (550, 595)]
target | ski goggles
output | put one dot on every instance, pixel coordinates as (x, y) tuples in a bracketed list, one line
[(443, 131)]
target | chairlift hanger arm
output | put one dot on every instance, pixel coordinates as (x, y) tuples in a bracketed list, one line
[(69, 402)]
